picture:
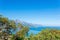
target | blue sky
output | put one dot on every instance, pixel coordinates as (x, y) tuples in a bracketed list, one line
[(44, 12)]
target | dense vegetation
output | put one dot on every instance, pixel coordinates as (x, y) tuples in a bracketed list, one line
[(9, 27)]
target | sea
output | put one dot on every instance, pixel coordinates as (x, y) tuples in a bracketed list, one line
[(36, 30)]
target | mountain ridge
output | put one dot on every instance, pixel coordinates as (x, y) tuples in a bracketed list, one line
[(36, 27)]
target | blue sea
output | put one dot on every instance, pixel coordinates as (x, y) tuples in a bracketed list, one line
[(36, 30)]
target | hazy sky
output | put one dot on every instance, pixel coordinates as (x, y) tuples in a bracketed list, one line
[(44, 12)]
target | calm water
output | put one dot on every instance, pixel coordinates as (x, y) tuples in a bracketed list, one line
[(36, 30), (33, 31)]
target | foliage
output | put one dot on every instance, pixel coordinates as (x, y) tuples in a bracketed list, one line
[(47, 34), (22, 33), (7, 27)]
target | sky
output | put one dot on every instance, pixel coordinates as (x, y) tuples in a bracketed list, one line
[(43, 12)]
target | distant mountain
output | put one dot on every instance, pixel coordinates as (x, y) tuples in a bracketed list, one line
[(27, 24), (36, 27)]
